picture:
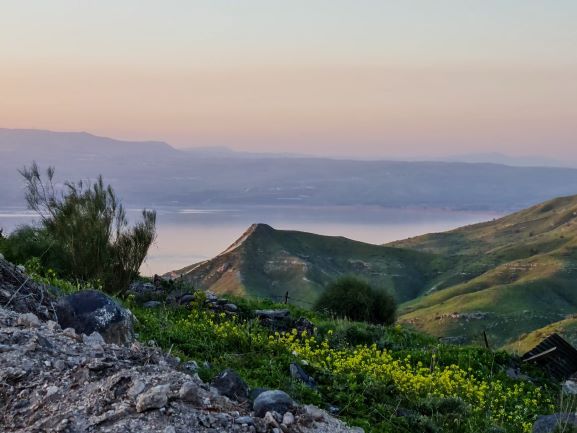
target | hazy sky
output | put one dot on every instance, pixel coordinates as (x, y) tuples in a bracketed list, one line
[(371, 78)]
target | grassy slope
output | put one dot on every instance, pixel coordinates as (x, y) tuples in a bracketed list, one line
[(567, 328), (520, 269), (269, 262), (371, 402)]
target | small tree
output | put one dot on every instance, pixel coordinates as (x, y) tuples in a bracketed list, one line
[(88, 225), (355, 299)]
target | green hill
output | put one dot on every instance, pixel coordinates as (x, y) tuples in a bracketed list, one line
[(267, 263), (509, 276), (567, 328)]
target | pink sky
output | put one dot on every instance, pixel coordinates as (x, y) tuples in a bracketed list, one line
[(340, 78)]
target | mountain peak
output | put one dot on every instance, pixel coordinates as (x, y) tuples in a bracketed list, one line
[(254, 230)]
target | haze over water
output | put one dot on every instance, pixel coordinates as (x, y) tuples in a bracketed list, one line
[(187, 236)]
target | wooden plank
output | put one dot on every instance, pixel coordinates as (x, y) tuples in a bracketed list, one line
[(541, 355)]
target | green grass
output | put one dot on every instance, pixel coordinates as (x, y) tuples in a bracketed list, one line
[(520, 269), (368, 401)]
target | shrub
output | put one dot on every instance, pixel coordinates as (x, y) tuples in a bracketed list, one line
[(87, 228), (355, 299), (27, 242)]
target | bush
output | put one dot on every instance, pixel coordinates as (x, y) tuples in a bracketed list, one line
[(87, 230), (26, 242), (355, 299)]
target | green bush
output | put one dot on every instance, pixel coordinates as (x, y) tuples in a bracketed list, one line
[(355, 299), (27, 242), (84, 232)]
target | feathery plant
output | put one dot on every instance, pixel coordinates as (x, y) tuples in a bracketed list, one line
[(87, 224)]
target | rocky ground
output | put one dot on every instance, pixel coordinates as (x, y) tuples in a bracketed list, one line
[(56, 380)]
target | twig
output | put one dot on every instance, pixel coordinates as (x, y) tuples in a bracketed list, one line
[(16, 292)]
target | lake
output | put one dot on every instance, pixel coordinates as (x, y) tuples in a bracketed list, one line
[(187, 236)]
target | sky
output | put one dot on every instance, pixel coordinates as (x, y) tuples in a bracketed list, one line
[(366, 78)]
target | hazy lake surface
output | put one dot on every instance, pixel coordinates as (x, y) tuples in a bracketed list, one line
[(187, 236)]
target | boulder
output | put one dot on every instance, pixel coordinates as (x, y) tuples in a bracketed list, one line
[(299, 374), (141, 288), (550, 423), (232, 308), (154, 398), (231, 385), (186, 299), (92, 311), (152, 304), (192, 392), (269, 401)]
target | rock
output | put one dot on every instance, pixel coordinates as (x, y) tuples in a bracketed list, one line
[(458, 341), (549, 423), (94, 339), (30, 320), (272, 314), (190, 366), (231, 385), (186, 299), (192, 392), (276, 400), (270, 419), (333, 410), (90, 311), (515, 374), (84, 390), (142, 291), (302, 324), (154, 398), (244, 420), (211, 296), (20, 293), (299, 374), (136, 389), (52, 325), (71, 333), (288, 419), (315, 413), (152, 304), (231, 308), (51, 390)]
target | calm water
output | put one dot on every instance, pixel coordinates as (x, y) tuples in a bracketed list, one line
[(187, 236)]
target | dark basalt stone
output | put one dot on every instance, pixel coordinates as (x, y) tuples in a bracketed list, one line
[(230, 384), (92, 311)]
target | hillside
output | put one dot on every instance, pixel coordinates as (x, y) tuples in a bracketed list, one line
[(154, 174), (266, 262), (567, 328), (509, 276)]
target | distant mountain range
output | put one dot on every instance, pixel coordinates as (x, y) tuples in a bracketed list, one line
[(508, 277), (154, 174)]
